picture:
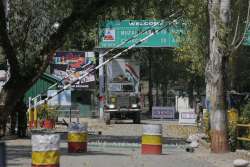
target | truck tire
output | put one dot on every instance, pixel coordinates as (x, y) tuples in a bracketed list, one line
[(137, 118), (107, 118)]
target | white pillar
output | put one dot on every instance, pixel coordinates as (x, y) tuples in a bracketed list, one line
[(101, 85)]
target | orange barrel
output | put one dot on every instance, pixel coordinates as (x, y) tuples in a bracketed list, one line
[(45, 150), (77, 138), (151, 139), (49, 124)]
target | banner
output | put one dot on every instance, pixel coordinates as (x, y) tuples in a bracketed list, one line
[(163, 112), (186, 114), (123, 75), (187, 117), (70, 64), (62, 99)]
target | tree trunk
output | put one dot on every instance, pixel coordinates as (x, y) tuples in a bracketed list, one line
[(13, 120), (157, 93), (150, 84), (191, 95), (21, 109), (8, 99), (219, 13), (3, 113), (2, 122), (166, 100)]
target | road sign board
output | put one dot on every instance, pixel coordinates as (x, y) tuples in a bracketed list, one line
[(247, 38), (112, 33)]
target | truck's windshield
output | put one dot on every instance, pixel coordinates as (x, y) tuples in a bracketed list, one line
[(121, 87)]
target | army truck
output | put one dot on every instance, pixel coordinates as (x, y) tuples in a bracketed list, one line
[(122, 91)]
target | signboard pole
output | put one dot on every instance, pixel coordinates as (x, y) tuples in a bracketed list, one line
[(101, 85)]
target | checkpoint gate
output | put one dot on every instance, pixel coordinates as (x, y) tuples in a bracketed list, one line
[(113, 33)]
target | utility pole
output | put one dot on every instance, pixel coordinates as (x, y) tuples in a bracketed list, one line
[(101, 86)]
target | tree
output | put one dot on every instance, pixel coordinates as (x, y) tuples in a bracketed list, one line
[(193, 42), (29, 56), (219, 18), (216, 22), (221, 48)]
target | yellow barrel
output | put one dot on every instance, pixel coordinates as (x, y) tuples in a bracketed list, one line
[(45, 150), (77, 138), (35, 117), (232, 115), (206, 121), (32, 118), (206, 117), (151, 142)]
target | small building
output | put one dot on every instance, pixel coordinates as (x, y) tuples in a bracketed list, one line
[(41, 86), (81, 96)]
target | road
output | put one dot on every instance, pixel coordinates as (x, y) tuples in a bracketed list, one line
[(120, 147), (119, 155), (19, 155)]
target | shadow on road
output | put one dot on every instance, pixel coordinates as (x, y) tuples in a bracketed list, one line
[(125, 139), (16, 153), (64, 152)]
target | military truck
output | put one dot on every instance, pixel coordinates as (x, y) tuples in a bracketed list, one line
[(122, 91)]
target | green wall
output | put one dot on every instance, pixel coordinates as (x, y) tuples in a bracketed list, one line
[(80, 99), (41, 86)]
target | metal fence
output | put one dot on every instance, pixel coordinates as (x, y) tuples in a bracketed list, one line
[(158, 101)]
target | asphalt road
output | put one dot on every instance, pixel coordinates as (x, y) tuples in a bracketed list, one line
[(19, 155), (119, 146)]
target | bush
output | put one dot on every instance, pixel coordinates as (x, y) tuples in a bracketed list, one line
[(245, 115), (232, 136), (245, 119), (46, 112)]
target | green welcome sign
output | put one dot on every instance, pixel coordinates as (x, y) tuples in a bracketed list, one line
[(113, 33)]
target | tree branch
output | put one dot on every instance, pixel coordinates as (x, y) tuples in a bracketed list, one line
[(9, 50), (26, 30), (236, 31), (246, 27), (57, 39)]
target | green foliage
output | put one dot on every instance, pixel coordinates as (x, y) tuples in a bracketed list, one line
[(245, 119), (245, 114), (232, 135), (47, 112), (31, 23), (239, 69), (193, 43), (232, 127), (239, 9)]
